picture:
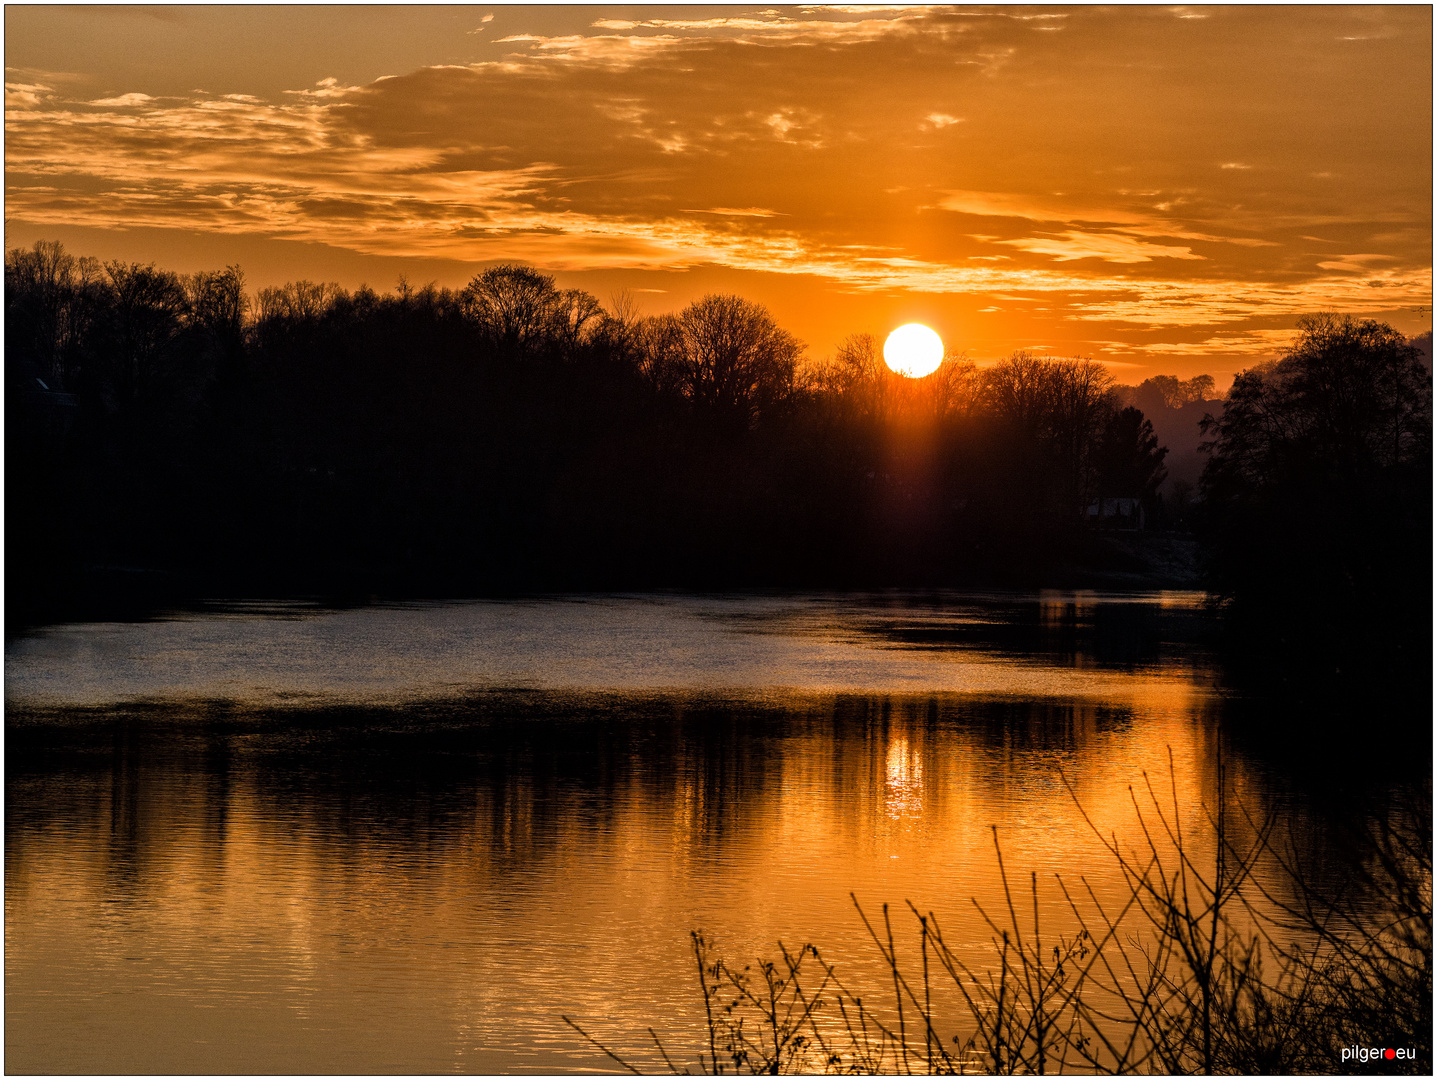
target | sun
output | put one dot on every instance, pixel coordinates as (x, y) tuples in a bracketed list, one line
[(913, 350)]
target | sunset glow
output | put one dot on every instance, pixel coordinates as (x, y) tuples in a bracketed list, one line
[(1163, 189), (516, 507)]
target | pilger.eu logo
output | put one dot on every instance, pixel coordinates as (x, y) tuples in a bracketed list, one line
[(1378, 1053)]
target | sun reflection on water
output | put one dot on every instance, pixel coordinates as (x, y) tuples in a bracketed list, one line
[(903, 780)]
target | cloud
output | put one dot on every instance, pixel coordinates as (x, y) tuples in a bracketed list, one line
[(729, 211), (787, 145), (1022, 205), (1110, 247), (814, 22), (1124, 222), (26, 95), (1357, 264), (869, 9), (124, 101), (1237, 344), (324, 88), (1172, 304), (720, 23)]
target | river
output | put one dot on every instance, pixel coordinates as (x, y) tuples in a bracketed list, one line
[(251, 838)]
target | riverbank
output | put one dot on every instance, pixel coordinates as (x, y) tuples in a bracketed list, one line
[(1140, 561)]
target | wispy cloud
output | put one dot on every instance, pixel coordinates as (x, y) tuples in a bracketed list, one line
[(1357, 264), (731, 211), (1109, 247), (1236, 345), (124, 101), (1125, 215)]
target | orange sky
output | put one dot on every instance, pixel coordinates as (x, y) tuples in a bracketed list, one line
[(1163, 189)]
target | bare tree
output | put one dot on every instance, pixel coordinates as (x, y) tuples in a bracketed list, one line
[(854, 375), (661, 355), (955, 388), (217, 301), (624, 308), (298, 300), (1062, 405), (521, 310), (50, 299), (1017, 390), (512, 304), (572, 314), (147, 311), (858, 360), (736, 361)]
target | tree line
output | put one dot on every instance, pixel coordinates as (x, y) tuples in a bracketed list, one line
[(1317, 521), (513, 434), (516, 435)]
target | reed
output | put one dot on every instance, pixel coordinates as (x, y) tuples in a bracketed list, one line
[(1201, 969)]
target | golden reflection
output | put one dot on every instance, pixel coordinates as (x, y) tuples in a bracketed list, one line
[(1052, 608), (903, 780), (348, 920)]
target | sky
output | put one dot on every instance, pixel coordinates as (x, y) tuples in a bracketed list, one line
[(1163, 189)]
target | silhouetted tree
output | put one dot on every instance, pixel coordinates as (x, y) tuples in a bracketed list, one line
[(1062, 407), (1318, 505), (147, 312), (218, 303), (661, 358), (51, 302), (520, 309), (1018, 390), (1130, 461), (512, 434), (735, 360), (857, 367), (297, 301), (956, 387), (858, 375), (1348, 395), (1175, 407)]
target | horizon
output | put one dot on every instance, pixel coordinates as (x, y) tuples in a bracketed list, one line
[(1164, 191)]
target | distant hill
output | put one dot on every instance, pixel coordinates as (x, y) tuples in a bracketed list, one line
[(1423, 344), (1178, 430), (1176, 409)]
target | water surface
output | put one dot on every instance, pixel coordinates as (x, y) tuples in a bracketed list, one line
[(407, 838)]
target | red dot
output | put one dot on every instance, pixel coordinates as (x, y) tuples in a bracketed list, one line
[(1389, 1054)]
